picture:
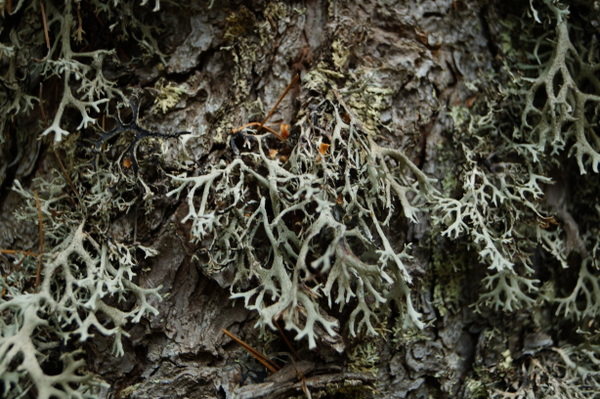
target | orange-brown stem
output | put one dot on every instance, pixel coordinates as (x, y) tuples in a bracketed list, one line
[(272, 367), (289, 87), (45, 23), (286, 340), (38, 274)]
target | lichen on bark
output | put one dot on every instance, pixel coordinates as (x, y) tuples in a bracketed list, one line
[(442, 158)]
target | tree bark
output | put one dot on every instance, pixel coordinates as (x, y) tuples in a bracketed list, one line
[(398, 68)]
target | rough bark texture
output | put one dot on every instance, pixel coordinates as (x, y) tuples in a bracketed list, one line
[(400, 68)]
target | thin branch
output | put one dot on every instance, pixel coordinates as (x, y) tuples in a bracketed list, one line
[(45, 23), (273, 368), (40, 254), (289, 87)]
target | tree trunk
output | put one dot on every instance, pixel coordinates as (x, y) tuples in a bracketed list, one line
[(417, 218)]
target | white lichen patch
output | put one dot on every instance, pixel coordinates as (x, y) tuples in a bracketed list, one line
[(82, 292), (304, 224)]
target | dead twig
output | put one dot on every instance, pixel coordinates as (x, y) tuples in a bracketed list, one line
[(284, 128), (289, 87), (45, 24), (265, 361), (38, 274)]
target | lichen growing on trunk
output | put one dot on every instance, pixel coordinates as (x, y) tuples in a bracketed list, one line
[(416, 186), (304, 224)]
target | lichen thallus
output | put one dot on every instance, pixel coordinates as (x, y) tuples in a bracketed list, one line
[(298, 370)]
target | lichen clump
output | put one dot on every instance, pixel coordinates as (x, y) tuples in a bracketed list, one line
[(81, 281), (305, 224), (81, 278), (312, 227), (524, 151)]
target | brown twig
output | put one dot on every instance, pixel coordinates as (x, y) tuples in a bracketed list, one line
[(281, 136), (289, 87), (38, 274), (45, 23), (239, 129), (17, 251), (286, 340), (272, 367)]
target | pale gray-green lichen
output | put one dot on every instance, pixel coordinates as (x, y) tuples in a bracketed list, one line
[(92, 88), (526, 204), (45, 53), (315, 223), (76, 298), (305, 224), (507, 169), (86, 283), (568, 79)]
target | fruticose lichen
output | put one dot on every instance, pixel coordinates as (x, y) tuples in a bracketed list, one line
[(306, 223), (568, 81), (93, 89), (83, 283), (87, 285), (313, 228), (43, 45), (506, 170), (519, 189), (84, 275)]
